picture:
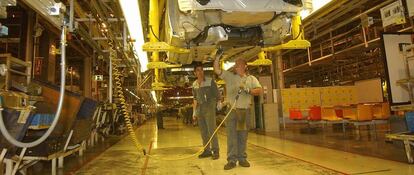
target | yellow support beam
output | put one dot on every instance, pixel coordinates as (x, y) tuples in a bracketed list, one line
[(158, 86), (154, 26), (262, 61), (162, 47), (161, 65), (292, 44), (296, 27), (298, 41)]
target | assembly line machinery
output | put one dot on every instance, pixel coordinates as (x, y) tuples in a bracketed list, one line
[(48, 122)]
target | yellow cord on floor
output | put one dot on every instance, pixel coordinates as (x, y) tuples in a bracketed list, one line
[(127, 118), (204, 147)]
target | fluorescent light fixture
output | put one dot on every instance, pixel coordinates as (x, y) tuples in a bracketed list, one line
[(315, 6), (319, 3), (181, 69), (304, 13), (228, 65), (154, 96), (189, 69), (132, 94), (178, 98), (130, 9)]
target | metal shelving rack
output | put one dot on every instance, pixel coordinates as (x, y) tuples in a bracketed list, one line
[(408, 84), (15, 68)]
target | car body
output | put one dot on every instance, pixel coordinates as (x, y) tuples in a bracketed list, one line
[(242, 27)]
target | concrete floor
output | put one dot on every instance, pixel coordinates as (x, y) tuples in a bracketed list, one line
[(348, 141), (267, 155)]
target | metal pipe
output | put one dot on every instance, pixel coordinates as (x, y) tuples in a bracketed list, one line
[(356, 17), (345, 50), (97, 5), (2, 154), (280, 84), (365, 36), (110, 80), (3, 128), (125, 36), (408, 74), (154, 26), (330, 55), (94, 20), (71, 15), (83, 33)]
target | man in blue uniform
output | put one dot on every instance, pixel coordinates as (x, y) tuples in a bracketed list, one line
[(205, 94)]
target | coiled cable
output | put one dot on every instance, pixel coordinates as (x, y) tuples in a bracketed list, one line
[(120, 94)]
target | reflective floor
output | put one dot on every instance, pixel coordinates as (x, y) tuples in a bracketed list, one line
[(328, 137), (267, 155)]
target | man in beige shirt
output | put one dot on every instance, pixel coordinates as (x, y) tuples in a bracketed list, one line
[(242, 86)]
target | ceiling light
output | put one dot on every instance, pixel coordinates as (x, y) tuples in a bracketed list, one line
[(304, 13), (132, 94), (319, 3), (132, 15)]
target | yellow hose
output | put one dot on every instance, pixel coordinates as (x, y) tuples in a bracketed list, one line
[(127, 117), (120, 94)]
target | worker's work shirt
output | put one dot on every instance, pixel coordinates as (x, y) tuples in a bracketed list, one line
[(205, 93), (233, 83)]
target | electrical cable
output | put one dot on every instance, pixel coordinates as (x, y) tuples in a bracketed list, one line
[(300, 32), (152, 31), (187, 22), (118, 90), (3, 128)]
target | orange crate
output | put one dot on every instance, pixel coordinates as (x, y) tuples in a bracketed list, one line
[(328, 113), (381, 111), (361, 113)]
